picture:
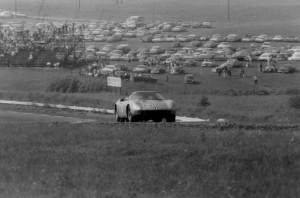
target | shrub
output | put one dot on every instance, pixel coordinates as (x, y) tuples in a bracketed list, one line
[(294, 102), (292, 91), (77, 84), (204, 102)]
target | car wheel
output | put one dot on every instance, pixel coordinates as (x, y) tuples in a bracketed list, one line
[(130, 117), (118, 119), (171, 118)]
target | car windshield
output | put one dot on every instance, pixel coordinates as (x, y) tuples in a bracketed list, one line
[(146, 96), (141, 67), (110, 67)]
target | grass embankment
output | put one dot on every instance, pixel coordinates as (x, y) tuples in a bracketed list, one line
[(235, 99), (61, 160)]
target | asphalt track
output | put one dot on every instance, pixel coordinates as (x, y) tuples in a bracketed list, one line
[(17, 117)]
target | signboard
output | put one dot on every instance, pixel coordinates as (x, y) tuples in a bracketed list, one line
[(114, 81)]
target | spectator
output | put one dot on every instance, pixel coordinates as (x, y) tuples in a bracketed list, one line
[(219, 72), (167, 77), (229, 72), (255, 80), (242, 73), (260, 66)]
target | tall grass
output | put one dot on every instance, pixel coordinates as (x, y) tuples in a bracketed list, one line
[(71, 84), (294, 102), (60, 160)]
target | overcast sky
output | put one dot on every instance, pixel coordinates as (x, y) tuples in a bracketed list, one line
[(220, 2)]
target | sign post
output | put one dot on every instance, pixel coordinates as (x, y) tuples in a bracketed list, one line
[(114, 82)]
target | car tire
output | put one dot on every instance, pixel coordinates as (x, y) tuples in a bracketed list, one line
[(130, 117), (118, 119), (171, 118)]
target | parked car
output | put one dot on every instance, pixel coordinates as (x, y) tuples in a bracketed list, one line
[(100, 38), (115, 57), (278, 38), (295, 57), (207, 63), (206, 24), (158, 70), (287, 69), (108, 69), (265, 57), (144, 106), (122, 74), (292, 39), (270, 69), (147, 38), (190, 63), (178, 29), (142, 69), (157, 50), (189, 79), (139, 77), (177, 70)]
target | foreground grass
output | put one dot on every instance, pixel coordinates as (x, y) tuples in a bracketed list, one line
[(60, 160)]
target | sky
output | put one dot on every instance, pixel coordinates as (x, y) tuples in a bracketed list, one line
[(184, 9), (208, 2)]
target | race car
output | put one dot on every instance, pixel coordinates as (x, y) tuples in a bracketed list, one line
[(145, 106)]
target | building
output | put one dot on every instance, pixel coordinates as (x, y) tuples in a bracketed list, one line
[(135, 21)]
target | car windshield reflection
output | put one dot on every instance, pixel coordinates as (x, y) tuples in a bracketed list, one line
[(146, 96)]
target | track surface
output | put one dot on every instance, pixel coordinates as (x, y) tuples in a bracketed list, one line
[(10, 116)]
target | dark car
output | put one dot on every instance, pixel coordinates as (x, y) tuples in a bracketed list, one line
[(287, 69), (190, 63), (189, 79), (144, 78)]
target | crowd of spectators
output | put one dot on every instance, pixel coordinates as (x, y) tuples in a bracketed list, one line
[(32, 39)]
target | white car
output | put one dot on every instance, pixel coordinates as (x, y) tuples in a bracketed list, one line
[(100, 38), (266, 45), (206, 24), (157, 50), (223, 45), (108, 69), (89, 38), (295, 57), (261, 38), (115, 57), (157, 40), (207, 63), (278, 38), (178, 29), (265, 57)]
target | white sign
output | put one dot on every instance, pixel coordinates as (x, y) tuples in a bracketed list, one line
[(114, 81)]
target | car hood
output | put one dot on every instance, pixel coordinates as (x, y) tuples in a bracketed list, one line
[(155, 104)]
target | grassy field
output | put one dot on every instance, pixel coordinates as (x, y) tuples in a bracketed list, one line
[(62, 160), (235, 99)]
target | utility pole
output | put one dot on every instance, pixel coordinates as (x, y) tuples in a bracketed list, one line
[(79, 5), (228, 10), (15, 9), (153, 11)]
